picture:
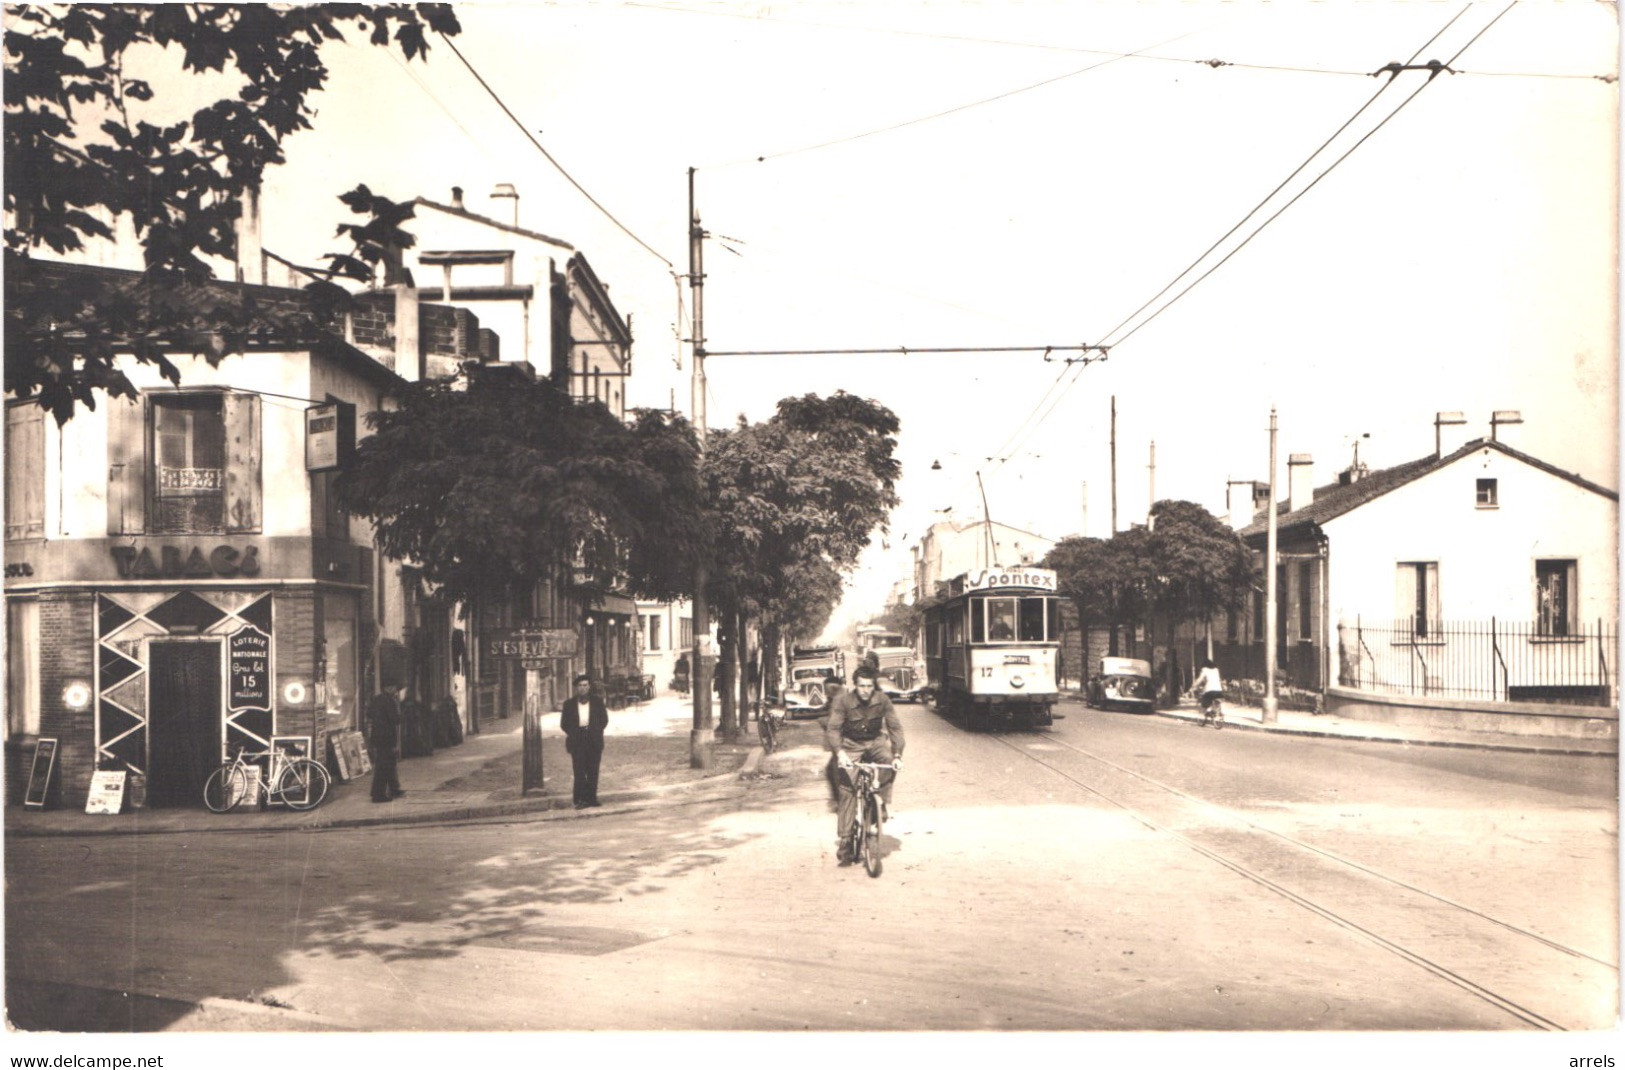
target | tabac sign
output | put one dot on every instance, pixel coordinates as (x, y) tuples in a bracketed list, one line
[(991, 578)]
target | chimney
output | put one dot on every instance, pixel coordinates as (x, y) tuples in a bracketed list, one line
[(250, 245), (408, 348), (1300, 481), (1241, 502), (505, 191), (1506, 427), (1449, 433), (457, 198)]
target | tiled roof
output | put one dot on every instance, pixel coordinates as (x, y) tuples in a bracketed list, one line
[(1335, 499)]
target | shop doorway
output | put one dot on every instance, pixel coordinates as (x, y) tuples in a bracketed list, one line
[(183, 720)]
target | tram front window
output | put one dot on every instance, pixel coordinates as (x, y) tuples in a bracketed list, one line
[(1001, 619), (1032, 620)]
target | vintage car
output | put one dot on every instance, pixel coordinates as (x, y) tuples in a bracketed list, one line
[(1122, 683), (806, 699)]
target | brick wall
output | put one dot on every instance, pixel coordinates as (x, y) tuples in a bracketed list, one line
[(372, 321), (67, 653)]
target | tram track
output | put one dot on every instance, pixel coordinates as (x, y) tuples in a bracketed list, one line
[(1534, 979)]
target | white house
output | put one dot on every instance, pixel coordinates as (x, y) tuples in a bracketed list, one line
[(1477, 574)]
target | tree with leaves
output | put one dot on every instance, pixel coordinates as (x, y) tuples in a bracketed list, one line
[(495, 487), (87, 141), (1108, 580), (795, 500)]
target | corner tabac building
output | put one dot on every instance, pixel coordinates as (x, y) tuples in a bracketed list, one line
[(178, 578)]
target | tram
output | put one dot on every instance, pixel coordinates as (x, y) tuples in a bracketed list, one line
[(992, 645)]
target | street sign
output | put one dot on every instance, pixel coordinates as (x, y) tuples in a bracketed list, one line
[(530, 643)]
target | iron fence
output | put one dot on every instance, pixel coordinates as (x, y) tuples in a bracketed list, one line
[(1494, 660)]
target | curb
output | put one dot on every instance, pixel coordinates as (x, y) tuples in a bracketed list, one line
[(1463, 744), (710, 784)]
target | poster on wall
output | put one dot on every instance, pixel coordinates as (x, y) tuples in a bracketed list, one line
[(106, 792), (248, 656)]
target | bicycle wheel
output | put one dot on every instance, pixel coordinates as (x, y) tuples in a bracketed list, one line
[(303, 784), (766, 730), (224, 789), (871, 834)]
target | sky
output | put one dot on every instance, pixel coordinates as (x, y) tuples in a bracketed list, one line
[(908, 176)]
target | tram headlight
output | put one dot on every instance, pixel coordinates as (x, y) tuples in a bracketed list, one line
[(1017, 682)]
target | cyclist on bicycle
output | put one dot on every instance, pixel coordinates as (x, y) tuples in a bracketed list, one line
[(863, 727), (1209, 686)]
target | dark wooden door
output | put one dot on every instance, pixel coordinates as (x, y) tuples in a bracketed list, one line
[(183, 721)]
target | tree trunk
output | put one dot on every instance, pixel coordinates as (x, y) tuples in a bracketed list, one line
[(727, 666), (747, 659)]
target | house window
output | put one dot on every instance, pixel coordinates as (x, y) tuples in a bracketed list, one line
[(1416, 594), (189, 464), (1306, 601), (685, 633), (651, 631), (1555, 606), (1488, 494)]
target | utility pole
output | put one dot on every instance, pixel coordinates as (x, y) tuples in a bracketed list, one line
[(1114, 464), (1151, 502), (1271, 702), (702, 734)]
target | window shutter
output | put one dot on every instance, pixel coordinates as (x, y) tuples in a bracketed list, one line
[(126, 466), (1434, 615), (25, 471), (242, 418), (1405, 594)]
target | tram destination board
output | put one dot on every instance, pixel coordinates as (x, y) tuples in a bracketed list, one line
[(527, 644)]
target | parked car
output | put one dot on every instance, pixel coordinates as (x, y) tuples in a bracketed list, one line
[(1122, 683), (805, 700)]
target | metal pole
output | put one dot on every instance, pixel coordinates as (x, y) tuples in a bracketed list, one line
[(702, 734), (1114, 466), (1271, 702), (1151, 488), (987, 518)]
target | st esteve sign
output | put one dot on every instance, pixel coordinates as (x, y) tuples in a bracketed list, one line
[(531, 643)]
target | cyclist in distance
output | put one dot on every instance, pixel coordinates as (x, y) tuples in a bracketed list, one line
[(863, 727), (1208, 686)]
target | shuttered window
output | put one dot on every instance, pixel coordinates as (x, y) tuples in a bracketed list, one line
[(1416, 597), (205, 471)]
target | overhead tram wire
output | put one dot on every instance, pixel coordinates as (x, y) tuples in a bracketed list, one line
[(1282, 185), (1316, 181), (1165, 307), (950, 111), (557, 166)]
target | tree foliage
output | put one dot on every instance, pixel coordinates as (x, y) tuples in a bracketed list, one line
[(1188, 566), (1201, 565), (491, 488), (88, 140), (796, 499)]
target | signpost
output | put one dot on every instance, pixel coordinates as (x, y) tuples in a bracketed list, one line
[(106, 792), (532, 648)]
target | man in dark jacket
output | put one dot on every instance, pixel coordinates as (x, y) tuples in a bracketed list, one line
[(584, 719), (862, 727), (384, 736)]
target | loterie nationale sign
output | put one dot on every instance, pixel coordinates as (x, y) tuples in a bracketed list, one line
[(989, 578)]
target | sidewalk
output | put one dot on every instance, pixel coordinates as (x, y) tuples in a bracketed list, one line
[(1330, 726), (646, 757)]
